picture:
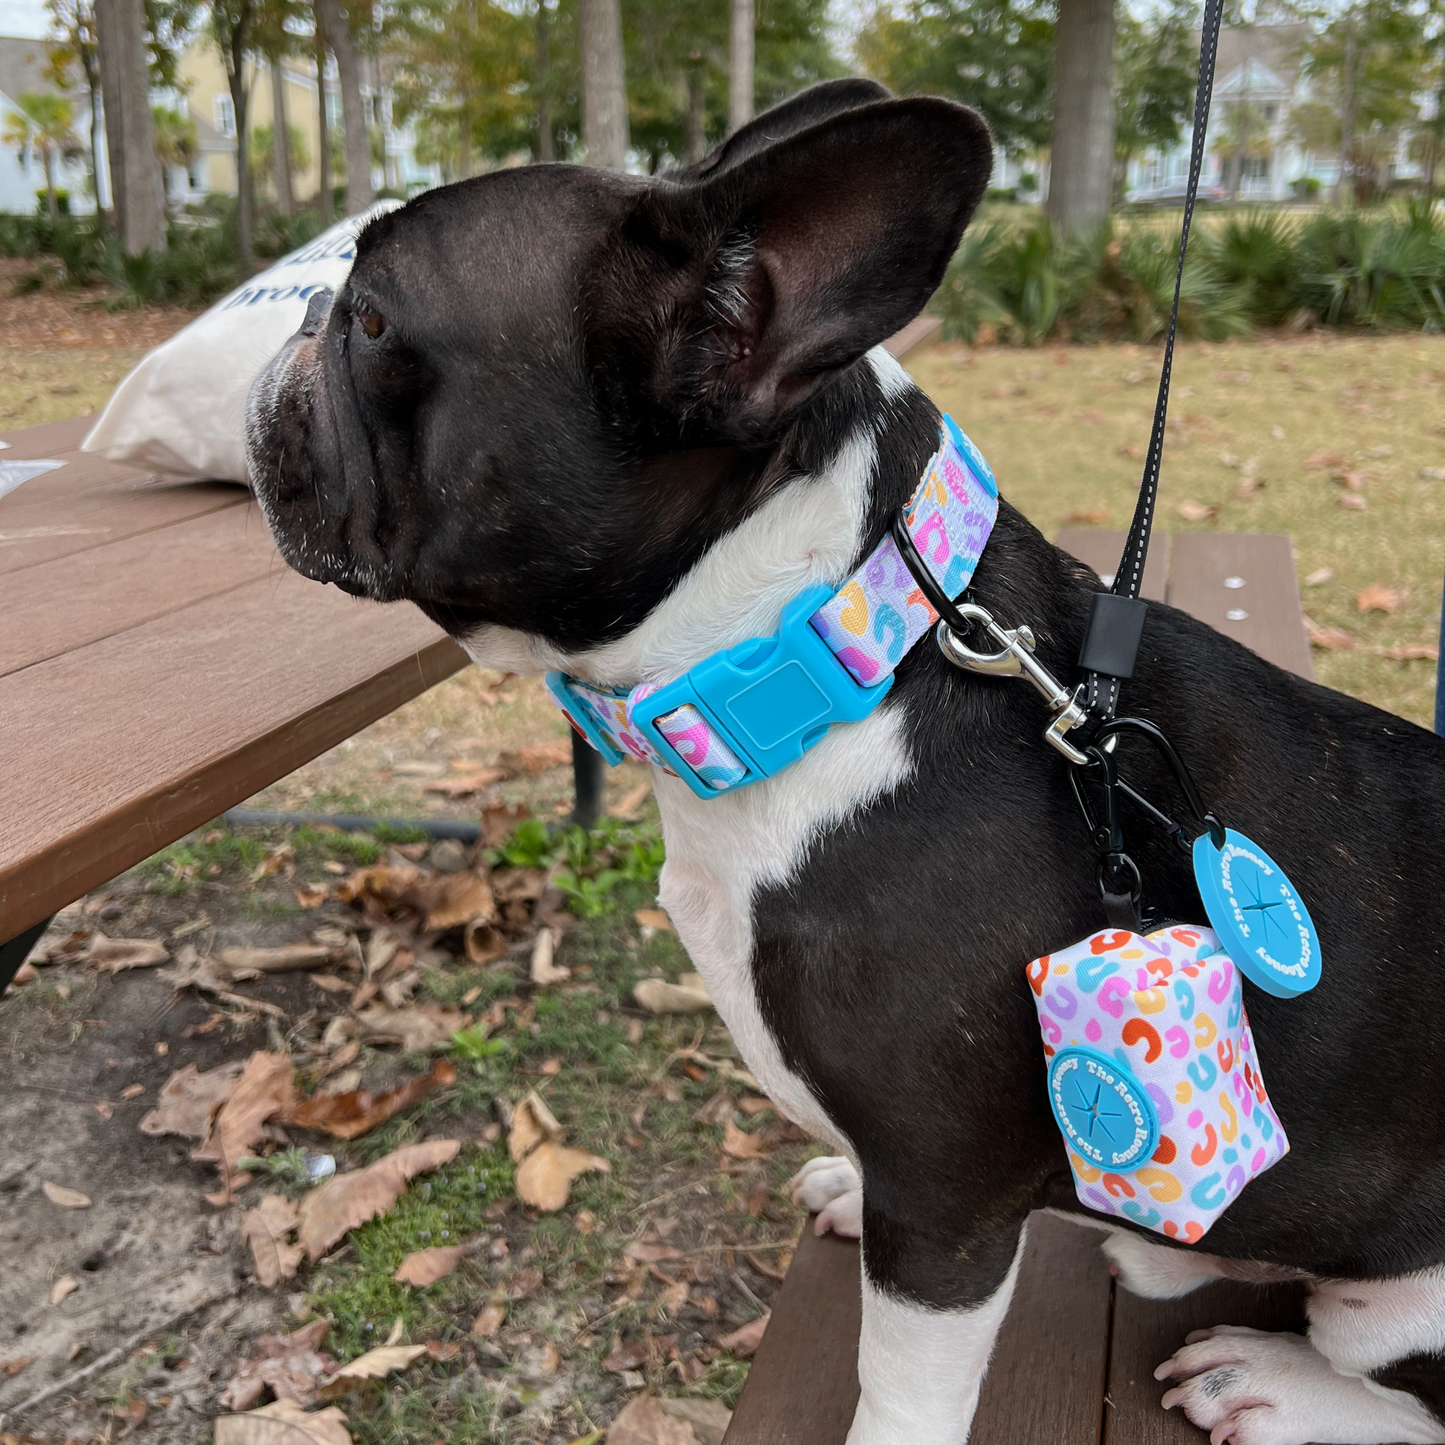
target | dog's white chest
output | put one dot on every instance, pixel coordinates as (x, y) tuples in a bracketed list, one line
[(721, 851)]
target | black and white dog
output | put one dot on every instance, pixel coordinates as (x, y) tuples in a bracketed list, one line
[(610, 425)]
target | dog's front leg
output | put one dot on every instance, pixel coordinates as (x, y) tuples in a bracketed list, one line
[(921, 1364)]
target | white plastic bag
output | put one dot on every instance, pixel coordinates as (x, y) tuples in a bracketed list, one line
[(182, 411)]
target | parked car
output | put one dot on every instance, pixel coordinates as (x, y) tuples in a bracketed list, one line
[(1173, 194)]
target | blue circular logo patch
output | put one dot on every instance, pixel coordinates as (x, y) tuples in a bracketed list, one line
[(1103, 1110), (1261, 921)]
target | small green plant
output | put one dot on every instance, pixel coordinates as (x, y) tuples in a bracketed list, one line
[(290, 1167), (475, 1047)]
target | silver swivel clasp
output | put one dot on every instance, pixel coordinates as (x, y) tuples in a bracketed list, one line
[(1015, 658)]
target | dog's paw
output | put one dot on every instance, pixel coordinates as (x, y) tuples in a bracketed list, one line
[(831, 1189), (1247, 1387)]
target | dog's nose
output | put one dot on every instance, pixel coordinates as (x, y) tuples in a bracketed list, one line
[(316, 310)]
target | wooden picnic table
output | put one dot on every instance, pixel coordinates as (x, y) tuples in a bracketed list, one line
[(159, 663), (1075, 1360)]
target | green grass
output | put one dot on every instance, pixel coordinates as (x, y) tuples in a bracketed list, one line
[(445, 1208), (1055, 424)]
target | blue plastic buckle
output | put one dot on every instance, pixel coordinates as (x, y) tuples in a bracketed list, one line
[(581, 719), (770, 699)]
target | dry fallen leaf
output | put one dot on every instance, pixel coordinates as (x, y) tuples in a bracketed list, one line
[(1411, 652), (459, 899), (1324, 458), (659, 997), (417, 1029), (499, 821), (292, 958), (189, 1099), (654, 918), (349, 1200), (1193, 511), (375, 1364), (65, 1198), (280, 859), (11, 1368), (426, 1266), (644, 1422), (443, 1350), (265, 1228), (1329, 639), (1350, 502), (743, 1146), (115, 954), (1378, 598), (347, 1115), (532, 1122), (290, 1366), (483, 942), (283, 1422), (543, 971), (1433, 474), (465, 783), (266, 1088), (489, 1321), (745, 1341), (63, 1288), (545, 1177), (536, 760), (1319, 576)]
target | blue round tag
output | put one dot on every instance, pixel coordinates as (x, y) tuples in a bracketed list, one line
[(1103, 1110), (1260, 919)]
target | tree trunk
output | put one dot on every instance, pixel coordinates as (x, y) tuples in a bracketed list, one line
[(1082, 144), (1345, 186), (541, 84), (740, 68), (323, 132), (336, 27), (97, 130), (604, 83), (135, 183), (281, 140), (240, 103), (47, 155), (696, 113)]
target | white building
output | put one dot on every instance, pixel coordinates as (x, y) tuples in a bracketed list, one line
[(1259, 73), (22, 175)]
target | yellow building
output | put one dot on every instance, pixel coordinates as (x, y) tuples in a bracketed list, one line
[(206, 99)]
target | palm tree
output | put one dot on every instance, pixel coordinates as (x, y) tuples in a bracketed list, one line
[(43, 123)]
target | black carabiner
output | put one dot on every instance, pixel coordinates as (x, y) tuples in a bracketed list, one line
[(1207, 820)]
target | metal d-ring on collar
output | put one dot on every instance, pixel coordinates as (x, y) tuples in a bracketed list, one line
[(1014, 656)]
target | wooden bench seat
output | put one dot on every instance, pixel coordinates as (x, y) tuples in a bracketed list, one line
[(1074, 1363)]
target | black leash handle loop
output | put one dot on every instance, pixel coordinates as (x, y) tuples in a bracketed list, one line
[(1116, 623)]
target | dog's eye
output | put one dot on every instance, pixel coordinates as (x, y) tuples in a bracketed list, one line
[(372, 322)]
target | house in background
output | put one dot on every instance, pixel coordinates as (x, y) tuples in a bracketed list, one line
[(1258, 84), (22, 177), (206, 98)]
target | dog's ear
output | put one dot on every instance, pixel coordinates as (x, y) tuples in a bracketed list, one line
[(772, 275), (807, 108)]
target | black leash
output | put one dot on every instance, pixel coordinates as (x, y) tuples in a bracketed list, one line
[(1116, 623)]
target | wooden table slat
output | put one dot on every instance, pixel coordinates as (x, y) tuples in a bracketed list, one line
[(1264, 561), (70, 602), (803, 1388), (43, 531), (803, 1385), (1147, 1332), (1045, 1383), (132, 741), (1101, 550), (49, 439)]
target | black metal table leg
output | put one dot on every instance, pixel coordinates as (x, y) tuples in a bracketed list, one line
[(586, 782), (14, 953)]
